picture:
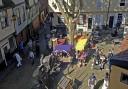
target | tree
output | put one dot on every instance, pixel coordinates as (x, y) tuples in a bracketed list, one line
[(70, 9)]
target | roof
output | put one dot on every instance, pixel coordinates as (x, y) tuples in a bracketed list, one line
[(7, 4), (120, 59)]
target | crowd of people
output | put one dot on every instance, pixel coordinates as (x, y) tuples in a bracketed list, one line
[(100, 58), (30, 51)]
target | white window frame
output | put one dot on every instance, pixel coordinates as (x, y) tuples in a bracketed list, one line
[(81, 21), (4, 19)]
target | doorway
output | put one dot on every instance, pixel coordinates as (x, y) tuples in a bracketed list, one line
[(89, 23), (111, 21), (119, 20)]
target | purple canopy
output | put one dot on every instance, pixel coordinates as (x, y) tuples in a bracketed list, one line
[(63, 47)]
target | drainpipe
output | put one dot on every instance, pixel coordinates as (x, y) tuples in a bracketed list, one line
[(108, 12)]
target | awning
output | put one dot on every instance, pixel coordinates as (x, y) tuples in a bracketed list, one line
[(81, 44), (66, 48), (61, 41)]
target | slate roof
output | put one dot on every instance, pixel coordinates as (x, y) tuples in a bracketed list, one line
[(121, 58), (7, 4)]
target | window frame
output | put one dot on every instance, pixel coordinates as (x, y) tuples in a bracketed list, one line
[(5, 19), (122, 2), (18, 16), (81, 20), (24, 16), (1, 56), (121, 78)]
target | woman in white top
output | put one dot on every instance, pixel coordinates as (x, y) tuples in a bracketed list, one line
[(106, 82), (19, 59)]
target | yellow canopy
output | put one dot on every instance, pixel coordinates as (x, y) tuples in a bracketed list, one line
[(81, 44)]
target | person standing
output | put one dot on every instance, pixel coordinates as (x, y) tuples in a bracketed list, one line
[(31, 57), (21, 47), (106, 81), (110, 54), (18, 58), (92, 81), (30, 44)]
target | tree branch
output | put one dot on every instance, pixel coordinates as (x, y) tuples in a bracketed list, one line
[(67, 7), (62, 10), (78, 10), (73, 3)]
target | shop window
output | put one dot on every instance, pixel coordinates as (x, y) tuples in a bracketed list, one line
[(4, 19), (1, 58), (124, 78), (122, 2)]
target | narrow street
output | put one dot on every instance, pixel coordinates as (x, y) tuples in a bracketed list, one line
[(20, 78), (63, 44)]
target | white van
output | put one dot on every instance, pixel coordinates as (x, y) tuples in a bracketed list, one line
[(125, 31)]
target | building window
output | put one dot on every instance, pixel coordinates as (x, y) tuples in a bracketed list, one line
[(81, 21), (119, 20), (24, 14), (54, 5), (1, 58), (4, 19), (124, 78), (37, 8), (98, 4), (18, 16), (89, 23), (60, 19), (122, 2)]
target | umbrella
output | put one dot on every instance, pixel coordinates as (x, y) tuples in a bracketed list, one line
[(63, 48)]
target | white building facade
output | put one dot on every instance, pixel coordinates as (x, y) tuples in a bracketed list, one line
[(7, 39), (94, 13)]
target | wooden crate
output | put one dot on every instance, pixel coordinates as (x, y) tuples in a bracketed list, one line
[(65, 83)]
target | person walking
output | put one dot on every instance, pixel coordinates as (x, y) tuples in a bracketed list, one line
[(106, 81), (31, 56), (18, 58), (92, 81)]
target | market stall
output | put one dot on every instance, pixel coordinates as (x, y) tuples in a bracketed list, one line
[(81, 44), (63, 51)]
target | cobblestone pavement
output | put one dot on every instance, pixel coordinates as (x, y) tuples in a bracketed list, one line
[(82, 74), (20, 78)]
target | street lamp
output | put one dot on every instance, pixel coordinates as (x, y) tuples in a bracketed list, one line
[(53, 39)]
